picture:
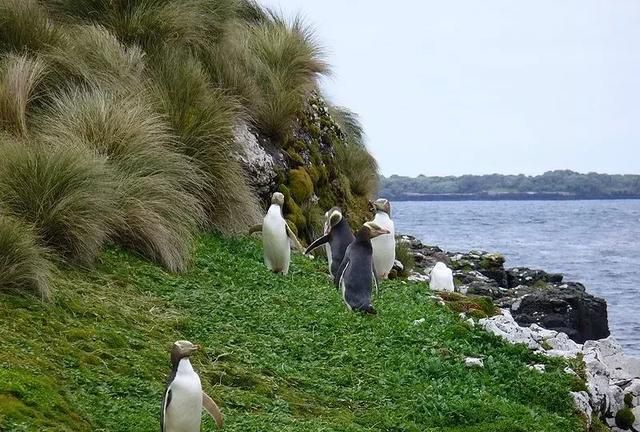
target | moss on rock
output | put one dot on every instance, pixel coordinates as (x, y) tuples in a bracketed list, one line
[(300, 185)]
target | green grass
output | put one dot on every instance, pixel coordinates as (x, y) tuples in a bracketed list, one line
[(281, 353)]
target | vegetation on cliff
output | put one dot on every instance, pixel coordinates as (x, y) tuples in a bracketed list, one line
[(280, 353), (117, 126)]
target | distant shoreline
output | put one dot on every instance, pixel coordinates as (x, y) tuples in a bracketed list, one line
[(530, 196)]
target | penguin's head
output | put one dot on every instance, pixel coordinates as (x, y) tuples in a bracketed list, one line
[(374, 230), (380, 204), (334, 216), (182, 349), (278, 199)]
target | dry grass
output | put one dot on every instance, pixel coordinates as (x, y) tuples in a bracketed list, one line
[(20, 77), (26, 26), (24, 263), (156, 183), (67, 194)]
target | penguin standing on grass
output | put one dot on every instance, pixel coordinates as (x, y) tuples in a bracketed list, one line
[(277, 237), (384, 246), (356, 274), (183, 398), (337, 237)]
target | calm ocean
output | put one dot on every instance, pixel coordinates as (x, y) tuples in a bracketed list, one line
[(593, 242)]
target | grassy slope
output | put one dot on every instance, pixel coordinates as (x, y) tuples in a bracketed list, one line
[(281, 353)]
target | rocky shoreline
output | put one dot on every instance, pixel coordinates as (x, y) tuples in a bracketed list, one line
[(551, 316)]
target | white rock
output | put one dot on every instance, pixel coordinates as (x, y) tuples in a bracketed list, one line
[(561, 342), (539, 334), (506, 327), (419, 321), (470, 322), (633, 388), (441, 278), (538, 367), (581, 400), (609, 352), (398, 264), (473, 362), (616, 400), (636, 413), (418, 277)]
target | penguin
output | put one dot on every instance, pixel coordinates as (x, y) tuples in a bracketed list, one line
[(356, 274), (277, 237), (384, 246), (184, 399), (441, 278), (337, 237)]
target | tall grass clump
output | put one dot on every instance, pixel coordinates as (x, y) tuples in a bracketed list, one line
[(24, 263), (286, 62), (25, 26), (91, 54), (20, 77), (66, 193), (152, 24), (157, 186), (203, 118), (352, 156)]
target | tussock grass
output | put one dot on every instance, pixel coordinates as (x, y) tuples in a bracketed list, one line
[(66, 193), (20, 77), (155, 182), (203, 118), (404, 255), (91, 54), (25, 26), (356, 162), (152, 24), (24, 263), (286, 62)]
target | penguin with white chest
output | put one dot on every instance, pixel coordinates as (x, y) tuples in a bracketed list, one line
[(183, 398), (337, 237), (441, 278), (355, 276), (384, 246), (277, 237)]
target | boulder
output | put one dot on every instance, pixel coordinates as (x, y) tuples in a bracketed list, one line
[(565, 308), (529, 277), (581, 401)]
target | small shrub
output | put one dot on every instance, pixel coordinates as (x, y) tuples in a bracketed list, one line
[(23, 262), (628, 400), (625, 418), (300, 185), (19, 79), (67, 194), (25, 26), (404, 255)]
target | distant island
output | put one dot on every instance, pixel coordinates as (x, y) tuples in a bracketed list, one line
[(552, 185)]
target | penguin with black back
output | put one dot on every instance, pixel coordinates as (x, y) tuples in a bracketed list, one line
[(184, 399), (338, 236), (356, 274)]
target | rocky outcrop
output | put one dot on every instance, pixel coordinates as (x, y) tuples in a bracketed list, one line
[(532, 296), (612, 379)]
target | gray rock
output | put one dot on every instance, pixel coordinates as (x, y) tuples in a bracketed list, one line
[(581, 401), (472, 362)]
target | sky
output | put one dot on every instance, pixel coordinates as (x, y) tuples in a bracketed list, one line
[(453, 87)]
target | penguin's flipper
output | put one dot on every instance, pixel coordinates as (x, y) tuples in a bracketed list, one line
[(343, 266), (255, 229), (210, 406), (294, 238), (376, 280), (165, 404), (317, 243)]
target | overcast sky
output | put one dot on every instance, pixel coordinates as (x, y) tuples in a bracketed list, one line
[(448, 87)]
